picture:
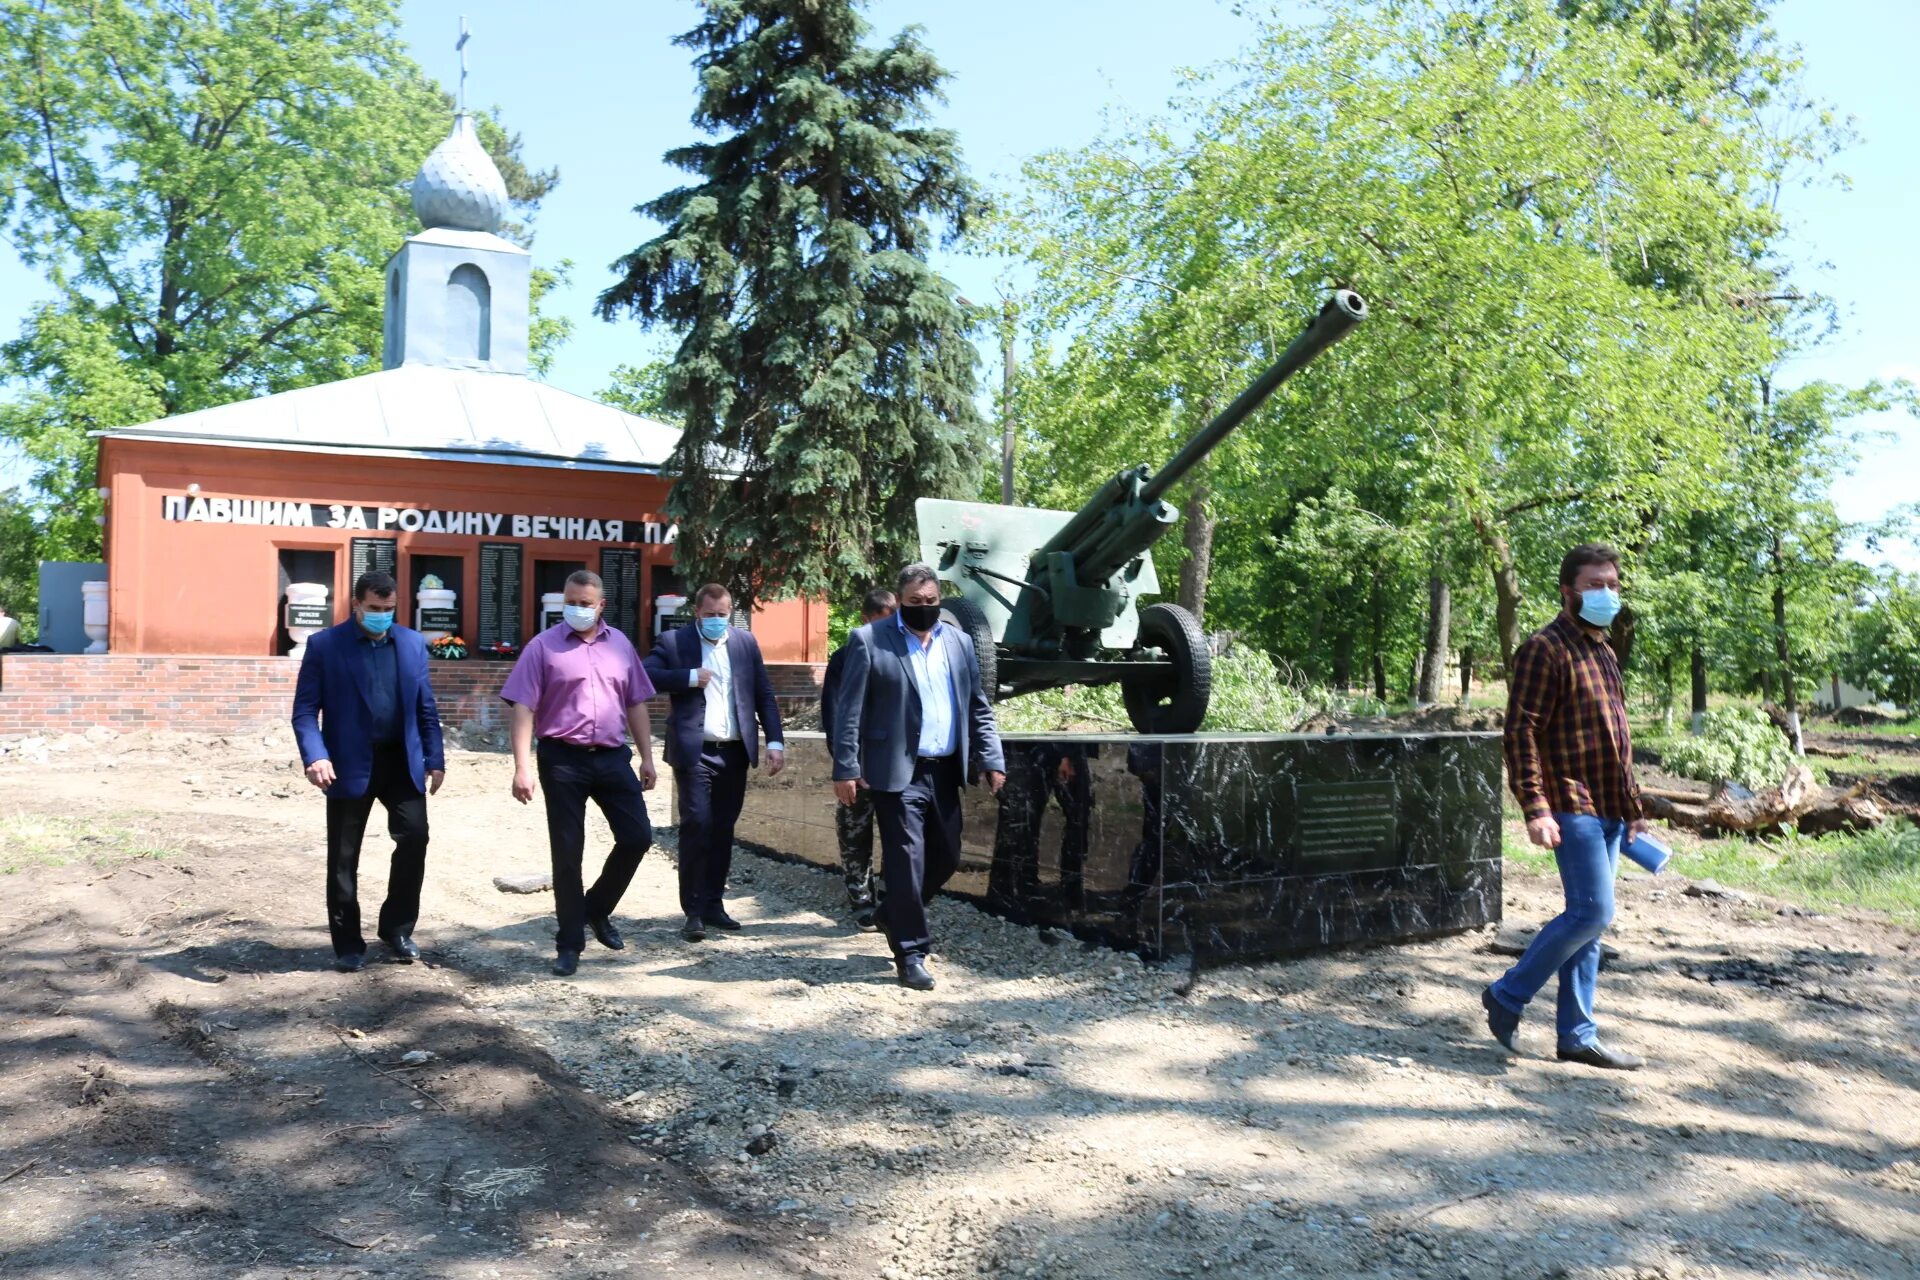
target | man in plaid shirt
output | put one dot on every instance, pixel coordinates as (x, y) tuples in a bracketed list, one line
[(1570, 765)]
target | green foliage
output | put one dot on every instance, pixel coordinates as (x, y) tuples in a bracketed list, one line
[(1883, 655), (1736, 742), (821, 360), (1250, 695), (641, 389), (1559, 226), (19, 566), (210, 191)]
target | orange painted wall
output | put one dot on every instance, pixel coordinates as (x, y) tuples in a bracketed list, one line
[(191, 587)]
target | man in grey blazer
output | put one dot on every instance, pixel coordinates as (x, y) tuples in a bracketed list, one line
[(911, 724)]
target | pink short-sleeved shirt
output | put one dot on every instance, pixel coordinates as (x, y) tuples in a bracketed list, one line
[(579, 691)]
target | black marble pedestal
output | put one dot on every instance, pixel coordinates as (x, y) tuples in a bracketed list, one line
[(1217, 846)]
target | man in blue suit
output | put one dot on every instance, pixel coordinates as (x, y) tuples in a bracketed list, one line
[(368, 729), (717, 684), (911, 723)]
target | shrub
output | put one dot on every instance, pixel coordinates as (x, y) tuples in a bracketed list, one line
[(1250, 695), (1738, 743)]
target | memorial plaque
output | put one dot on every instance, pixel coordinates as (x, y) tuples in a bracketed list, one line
[(309, 615), (439, 620), (620, 571), (1346, 825), (500, 569), (373, 555)]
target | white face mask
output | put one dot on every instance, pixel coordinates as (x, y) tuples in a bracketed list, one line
[(581, 617)]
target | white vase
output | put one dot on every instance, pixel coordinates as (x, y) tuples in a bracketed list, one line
[(93, 614), (431, 598), (551, 605), (303, 593)]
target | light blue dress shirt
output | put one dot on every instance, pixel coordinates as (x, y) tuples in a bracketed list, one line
[(933, 677)]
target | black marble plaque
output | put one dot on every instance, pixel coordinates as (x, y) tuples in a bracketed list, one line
[(373, 555), (1218, 847), (439, 619), (309, 615), (500, 569), (620, 572)]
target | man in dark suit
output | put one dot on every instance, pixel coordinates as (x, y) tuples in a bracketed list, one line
[(717, 682), (368, 729), (911, 723), (854, 822)]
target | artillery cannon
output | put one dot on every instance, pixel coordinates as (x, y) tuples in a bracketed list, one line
[(1049, 597)]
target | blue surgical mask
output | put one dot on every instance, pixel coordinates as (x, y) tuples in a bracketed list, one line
[(714, 629), (376, 621), (1599, 606), (580, 617)]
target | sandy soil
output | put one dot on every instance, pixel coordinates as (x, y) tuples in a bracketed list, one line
[(191, 1093)]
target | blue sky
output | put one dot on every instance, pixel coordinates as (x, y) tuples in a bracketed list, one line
[(601, 92)]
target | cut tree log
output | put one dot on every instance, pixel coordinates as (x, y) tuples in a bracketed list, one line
[(1798, 801)]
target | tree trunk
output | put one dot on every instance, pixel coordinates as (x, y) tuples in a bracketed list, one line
[(1434, 659), (1699, 702), (1466, 675), (1377, 610), (1343, 661), (1789, 686), (1197, 532), (1506, 590), (1006, 405), (1666, 693), (1379, 675), (1621, 637)]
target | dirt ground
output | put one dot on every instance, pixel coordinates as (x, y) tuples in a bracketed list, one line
[(191, 1092)]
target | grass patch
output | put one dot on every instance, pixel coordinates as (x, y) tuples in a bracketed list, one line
[(1876, 870), (41, 840)]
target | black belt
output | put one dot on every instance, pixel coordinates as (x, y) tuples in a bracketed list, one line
[(577, 746), (951, 755), (720, 742)]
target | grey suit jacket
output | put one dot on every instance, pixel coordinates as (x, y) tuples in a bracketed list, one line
[(876, 715)]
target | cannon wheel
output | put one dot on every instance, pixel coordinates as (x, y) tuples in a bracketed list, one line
[(1176, 703), (968, 616)]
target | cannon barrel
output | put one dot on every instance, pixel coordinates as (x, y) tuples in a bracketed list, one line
[(1343, 311)]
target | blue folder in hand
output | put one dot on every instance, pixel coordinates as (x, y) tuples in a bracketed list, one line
[(1646, 853)]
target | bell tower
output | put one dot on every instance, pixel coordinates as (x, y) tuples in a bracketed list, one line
[(458, 295)]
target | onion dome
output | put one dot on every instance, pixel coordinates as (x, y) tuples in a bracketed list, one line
[(458, 186)]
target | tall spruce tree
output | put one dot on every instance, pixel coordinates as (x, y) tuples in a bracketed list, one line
[(824, 374)]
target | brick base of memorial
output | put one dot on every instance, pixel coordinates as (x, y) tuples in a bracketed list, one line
[(51, 694)]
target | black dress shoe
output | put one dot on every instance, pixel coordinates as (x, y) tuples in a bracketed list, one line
[(913, 973), (694, 930), (1598, 1055), (609, 935), (351, 963), (402, 947), (565, 963), (718, 918), (864, 921), (1501, 1021)]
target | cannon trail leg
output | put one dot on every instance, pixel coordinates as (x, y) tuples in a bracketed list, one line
[(1159, 701)]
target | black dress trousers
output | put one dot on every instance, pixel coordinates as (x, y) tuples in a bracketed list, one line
[(711, 793), (569, 777), (919, 851), (392, 785)]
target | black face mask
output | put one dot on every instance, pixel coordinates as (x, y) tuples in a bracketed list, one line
[(920, 617)]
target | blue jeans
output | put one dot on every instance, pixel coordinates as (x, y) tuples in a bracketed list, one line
[(1569, 944)]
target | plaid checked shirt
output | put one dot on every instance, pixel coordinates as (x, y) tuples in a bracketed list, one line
[(1566, 734)]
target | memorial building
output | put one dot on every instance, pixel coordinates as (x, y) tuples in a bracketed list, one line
[(237, 530)]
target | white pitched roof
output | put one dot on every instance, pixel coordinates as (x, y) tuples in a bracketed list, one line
[(421, 411)]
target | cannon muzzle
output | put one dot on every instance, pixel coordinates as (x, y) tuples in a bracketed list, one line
[(1343, 311)]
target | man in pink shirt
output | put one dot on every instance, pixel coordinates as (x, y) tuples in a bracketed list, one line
[(578, 689)]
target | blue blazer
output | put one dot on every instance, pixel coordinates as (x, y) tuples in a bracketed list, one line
[(876, 713), (330, 711), (670, 665)]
